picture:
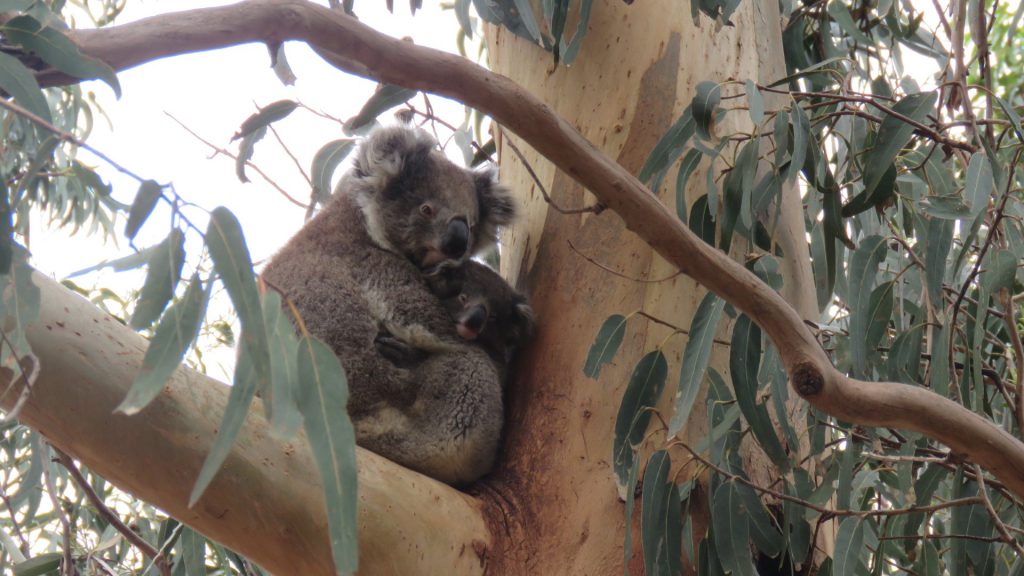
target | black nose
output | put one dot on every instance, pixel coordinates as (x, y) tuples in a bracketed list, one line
[(456, 239), (475, 318)]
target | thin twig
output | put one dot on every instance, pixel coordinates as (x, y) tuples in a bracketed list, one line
[(595, 208), (288, 151), (1000, 526), (619, 274), (219, 150), (146, 548)]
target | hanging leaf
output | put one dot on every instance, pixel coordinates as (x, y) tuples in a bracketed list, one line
[(893, 136), (322, 399), (755, 102), (879, 313), (731, 531), (658, 541), (385, 98), (642, 391), (145, 200), (607, 343), (325, 162), (701, 221), (704, 108), (695, 359), (20, 83), (979, 184), (161, 280), (938, 241), (669, 147), (265, 117), (863, 268), (175, 332), (58, 50), (744, 364), (848, 548), (283, 411)]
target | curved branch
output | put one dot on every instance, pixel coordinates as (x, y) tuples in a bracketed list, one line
[(356, 48), (266, 502)]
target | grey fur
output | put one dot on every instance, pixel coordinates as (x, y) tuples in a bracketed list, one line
[(357, 269)]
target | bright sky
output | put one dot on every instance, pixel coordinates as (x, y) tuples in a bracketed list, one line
[(212, 93)]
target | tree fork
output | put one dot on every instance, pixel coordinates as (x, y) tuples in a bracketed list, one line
[(266, 502), (358, 49)]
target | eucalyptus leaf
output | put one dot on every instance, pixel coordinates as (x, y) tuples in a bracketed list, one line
[(642, 391), (607, 343)]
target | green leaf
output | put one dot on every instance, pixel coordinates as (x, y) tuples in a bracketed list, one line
[(928, 562), (1000, 270), (607, 343), (744, 364), (840, 13), (731, 531), (226, 244), (581, 31), (938, 241), (1013, 117), (265, 117), (18, 81), (325, 162), (883, 192), (58, 50), (193, 552), (686, 168), (174, 334), (668, 148), (161, 280), (801, 140), (245, 151), (558, 17), (893, 136), (20, 305), (385, 98), (780, 132), (642, 392), (243, 389), (848, 548), (704, 108), (978, 184), (695, 359), (462, 15), (322, 400), (755, 102), (129, 262), (145, 200), (40, 565), (763, 533), (283, 411), (280, 66), (658, 520), (701, 222), (863, 268), (879, 313)]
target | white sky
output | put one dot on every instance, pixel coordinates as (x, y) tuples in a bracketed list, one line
[(212, 93)]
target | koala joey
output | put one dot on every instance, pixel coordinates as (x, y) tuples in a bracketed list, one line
[(357, 268), (486, 310)]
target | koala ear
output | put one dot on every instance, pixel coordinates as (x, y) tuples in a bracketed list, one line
[(497, 207), (523, 320), (383, 155)]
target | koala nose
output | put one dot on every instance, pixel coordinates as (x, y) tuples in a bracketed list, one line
[(475, 319), (456, 239)]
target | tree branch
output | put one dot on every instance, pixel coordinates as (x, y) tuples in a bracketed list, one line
[(266, 502), (355, 48)]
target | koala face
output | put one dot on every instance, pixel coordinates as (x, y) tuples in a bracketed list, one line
[(485, 308), (420, 204)]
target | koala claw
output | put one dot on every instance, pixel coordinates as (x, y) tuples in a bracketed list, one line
[(398, 352)]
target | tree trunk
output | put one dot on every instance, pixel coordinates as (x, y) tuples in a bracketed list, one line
[(636, 72)]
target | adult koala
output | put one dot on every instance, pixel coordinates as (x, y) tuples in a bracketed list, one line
[(357, 270)]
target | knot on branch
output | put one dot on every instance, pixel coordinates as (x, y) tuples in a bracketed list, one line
[(807, 379)]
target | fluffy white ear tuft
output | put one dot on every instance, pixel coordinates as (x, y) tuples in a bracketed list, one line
[(497, 207), (382, 155)]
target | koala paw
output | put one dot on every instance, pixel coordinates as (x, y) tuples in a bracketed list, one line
[(398, 352)]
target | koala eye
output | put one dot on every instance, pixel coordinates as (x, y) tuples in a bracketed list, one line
[(463, 298), (427, 210)]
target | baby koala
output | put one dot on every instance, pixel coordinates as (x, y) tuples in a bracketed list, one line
[(485, 309)]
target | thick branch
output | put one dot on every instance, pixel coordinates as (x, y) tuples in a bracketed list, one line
[(358, 49), (266, 502)]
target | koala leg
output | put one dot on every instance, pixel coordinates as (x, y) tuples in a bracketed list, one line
[(452, 430)]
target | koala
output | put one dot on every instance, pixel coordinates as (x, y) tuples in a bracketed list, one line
[(358, 268), (485, 308)]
